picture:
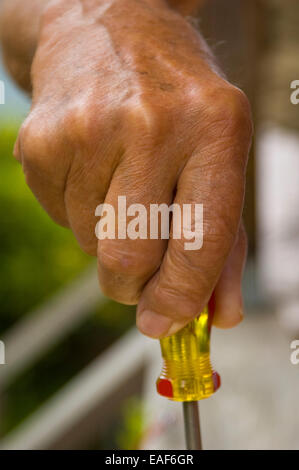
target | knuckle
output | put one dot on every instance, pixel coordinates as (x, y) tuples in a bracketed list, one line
[(33, 144), (241, 112), (120, 261), (148, 117), (234, 110), (122, 274), (196, 95), (219, 236), (181, 304), (45, 155), (228, 107), (81, 122), (87, 126)]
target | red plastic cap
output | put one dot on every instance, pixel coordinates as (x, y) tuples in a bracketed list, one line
[(216, 381), (164, 388)]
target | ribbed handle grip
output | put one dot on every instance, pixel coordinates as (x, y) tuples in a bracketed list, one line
[(187, 374)]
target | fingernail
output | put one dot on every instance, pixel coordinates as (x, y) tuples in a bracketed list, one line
[(153, 324), (175, 327)]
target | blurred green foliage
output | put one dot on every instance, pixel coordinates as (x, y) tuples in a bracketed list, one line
[(34, 386), (131, 430), (37, 258), (36, 255)]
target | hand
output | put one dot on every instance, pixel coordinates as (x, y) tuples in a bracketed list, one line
[(127, 101)]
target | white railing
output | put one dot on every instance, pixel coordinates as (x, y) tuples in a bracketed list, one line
[(26, 342), (81, 395), (40, 330)]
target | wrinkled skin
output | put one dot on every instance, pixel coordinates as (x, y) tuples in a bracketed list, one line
[(127, 101)]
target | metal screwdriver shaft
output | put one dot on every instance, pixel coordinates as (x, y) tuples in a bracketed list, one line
[(192, 425)]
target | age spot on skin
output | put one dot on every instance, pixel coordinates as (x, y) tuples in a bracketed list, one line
[(167, 87)]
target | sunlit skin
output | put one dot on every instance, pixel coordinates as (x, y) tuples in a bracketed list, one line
[(127, 100)]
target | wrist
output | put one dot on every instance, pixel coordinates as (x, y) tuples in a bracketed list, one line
[(19, 49)]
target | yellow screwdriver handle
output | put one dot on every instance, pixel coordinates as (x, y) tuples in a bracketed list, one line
[(187, 374)]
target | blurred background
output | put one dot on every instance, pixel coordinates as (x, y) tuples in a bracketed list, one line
[(78, 375)]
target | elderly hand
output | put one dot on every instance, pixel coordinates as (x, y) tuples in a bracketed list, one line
[(128, 101)]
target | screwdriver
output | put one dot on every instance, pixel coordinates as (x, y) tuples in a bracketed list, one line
[(187, 375)]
